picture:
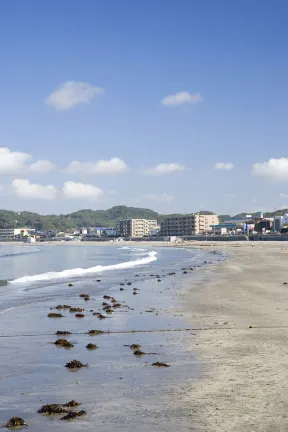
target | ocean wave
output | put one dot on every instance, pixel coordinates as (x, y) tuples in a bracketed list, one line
[(80, 272), (17, 254)]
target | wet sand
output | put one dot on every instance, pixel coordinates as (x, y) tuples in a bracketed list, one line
[(119, 390), (243, 383)]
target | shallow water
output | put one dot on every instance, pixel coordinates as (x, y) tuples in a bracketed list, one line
[(118, 390)]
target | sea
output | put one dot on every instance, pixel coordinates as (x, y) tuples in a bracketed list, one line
[(118, 391)]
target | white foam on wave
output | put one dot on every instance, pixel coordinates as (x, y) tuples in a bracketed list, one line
[(79, 272)]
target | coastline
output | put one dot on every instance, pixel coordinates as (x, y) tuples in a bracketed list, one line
[(243, 380)]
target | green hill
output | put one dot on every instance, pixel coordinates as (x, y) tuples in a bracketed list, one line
[(90, 218)]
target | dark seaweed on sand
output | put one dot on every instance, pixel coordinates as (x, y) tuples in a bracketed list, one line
[(73, 415), (62, 333), (160, 364), (15, 422), (55, 315), (75, 364), (91, 346), (63, 343), (52, 409), (95, 332)]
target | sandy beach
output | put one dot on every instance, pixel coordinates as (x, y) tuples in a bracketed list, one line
[(243, 384)]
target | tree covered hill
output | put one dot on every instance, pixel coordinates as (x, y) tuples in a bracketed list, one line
[(90, 218)]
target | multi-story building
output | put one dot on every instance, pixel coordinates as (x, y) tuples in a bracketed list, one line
[(135, 227), (12, 233), (188, 225)]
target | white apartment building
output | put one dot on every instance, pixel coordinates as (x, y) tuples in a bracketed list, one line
[(11, 233), (135, 227)]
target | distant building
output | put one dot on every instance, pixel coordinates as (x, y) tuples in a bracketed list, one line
[(188, 225), (135, 227), (14, 233)]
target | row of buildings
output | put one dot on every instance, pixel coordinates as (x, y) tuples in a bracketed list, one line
[(171, 226)]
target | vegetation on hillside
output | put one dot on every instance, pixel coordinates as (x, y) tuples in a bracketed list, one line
[(93, 218)]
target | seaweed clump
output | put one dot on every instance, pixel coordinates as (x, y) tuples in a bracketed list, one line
[(75, 364), (72, 415), (135, 346), (63, 333), (99, 315), (15, 422), (95, 332), (160, 364), (52, 409), (138, 353), (91, 346), (78, 309), (72, 404), (84, 295), (63, 343), (55, 315), (70, 284), (79, 315)]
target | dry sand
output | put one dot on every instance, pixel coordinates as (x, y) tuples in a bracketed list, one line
[(244, 381)]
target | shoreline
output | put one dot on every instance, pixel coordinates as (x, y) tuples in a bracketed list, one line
[(242, 303)]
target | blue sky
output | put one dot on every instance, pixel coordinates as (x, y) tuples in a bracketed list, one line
[(185, 102)]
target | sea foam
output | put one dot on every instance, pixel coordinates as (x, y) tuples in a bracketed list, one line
[(80, 272)]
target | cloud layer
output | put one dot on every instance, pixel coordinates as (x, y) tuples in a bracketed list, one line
[(74, 190), (181, 98), (273, 169), (164, 169), (112, 166), (71, 93), (24, 189), (22, 163), (224, 166)]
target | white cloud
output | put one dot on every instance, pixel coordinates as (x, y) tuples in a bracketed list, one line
[(42, 166), (274, 169), (112, 166), (21, 163), (74, 190), (24, 189), (181, 98), (283, 195), (224, 166), (71, 93), (162, 198), (163, 169)]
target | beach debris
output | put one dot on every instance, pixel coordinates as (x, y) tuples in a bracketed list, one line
[(185, 272), (55, 315), (251, 326), (63, 343), (94, 332), (86, 298), (105, 304), (135, 346), (59, 307), (159, 280), (75, 364), (113, 300), (171, 274), (134, 293), (63, 333), (122, 284), (14, 422), (91, 346), (121, 289), (79, 315), (107, 297), (108, 306), (109, 311), (52, 409), (78, 309), (138, 353), (99, 315), (98, 280), (72, 415), (160, 364), (70, 284), (84, 295), (284, 283), (116, 305), (129, 283), (72, 404)]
